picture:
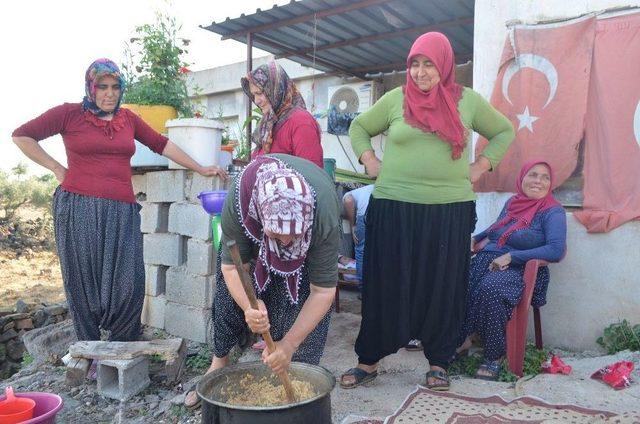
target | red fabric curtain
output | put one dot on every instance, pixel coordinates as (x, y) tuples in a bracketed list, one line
[(612, 138), (542, 87)]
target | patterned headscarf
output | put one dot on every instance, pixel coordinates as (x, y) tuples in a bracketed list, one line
[(98, 69), (521, 208), (436, 110), (274, 197), (283, 96)]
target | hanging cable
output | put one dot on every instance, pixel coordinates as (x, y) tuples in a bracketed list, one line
[(345, 153)]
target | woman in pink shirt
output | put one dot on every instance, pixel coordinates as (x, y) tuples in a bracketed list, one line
[(96, 216), (286, 125)]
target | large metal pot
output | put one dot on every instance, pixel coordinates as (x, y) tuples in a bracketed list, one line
[(316, 410)]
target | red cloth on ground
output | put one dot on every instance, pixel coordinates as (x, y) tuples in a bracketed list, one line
[(299, 136), (98, 151)]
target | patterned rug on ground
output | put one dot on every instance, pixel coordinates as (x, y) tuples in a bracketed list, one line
[(428, 406)]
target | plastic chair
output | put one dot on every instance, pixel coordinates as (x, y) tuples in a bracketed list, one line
[(343, 282), (516, 330)]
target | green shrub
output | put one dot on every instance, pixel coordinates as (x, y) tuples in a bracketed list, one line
[(533, 358), (17, 190), (620, 336), (27, 359), (201, 361)]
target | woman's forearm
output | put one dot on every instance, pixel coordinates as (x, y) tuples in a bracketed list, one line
[(313, 310), (176, 154), (234, 285), (32, 149)]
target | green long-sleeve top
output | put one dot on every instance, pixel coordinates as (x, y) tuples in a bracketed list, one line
[(417, 166)]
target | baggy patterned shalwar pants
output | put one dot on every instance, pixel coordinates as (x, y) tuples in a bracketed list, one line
[(100, 248), (492, 297), (229, 324)]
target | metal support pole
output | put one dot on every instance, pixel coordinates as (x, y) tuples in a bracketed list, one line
[(247, 99)]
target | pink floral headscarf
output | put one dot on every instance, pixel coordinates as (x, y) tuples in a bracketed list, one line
[(276, 198)]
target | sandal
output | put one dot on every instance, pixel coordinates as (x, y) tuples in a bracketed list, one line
[(192, 405), (414, 345), (491, 370), (361, 377), (442, 383)]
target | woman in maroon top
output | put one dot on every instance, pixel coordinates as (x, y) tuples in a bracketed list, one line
[(96, 217), (286, 125)]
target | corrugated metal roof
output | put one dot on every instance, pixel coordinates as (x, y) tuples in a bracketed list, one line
[(355, 37)]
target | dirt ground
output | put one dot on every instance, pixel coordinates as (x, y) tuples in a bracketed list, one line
[(33, 277), (29, 267)]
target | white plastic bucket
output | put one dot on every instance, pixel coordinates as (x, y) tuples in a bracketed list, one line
[(199, 138)]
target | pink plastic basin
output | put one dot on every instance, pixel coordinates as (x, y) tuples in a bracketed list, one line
[(47, 406), (14, 410)]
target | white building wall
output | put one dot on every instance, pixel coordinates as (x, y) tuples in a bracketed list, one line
[(598, 283)]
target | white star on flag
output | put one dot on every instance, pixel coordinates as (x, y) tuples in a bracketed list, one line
[(526, 120)]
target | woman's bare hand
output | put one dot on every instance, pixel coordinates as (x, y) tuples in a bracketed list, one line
[(209, 171), (257, 319), (59, 173), (500, 263)]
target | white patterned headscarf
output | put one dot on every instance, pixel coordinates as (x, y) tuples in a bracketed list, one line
[(276, 198)]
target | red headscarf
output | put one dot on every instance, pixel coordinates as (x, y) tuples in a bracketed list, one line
[(436, 110), (521, 208)]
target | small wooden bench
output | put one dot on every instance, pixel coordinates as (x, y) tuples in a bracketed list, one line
[(172, 351)]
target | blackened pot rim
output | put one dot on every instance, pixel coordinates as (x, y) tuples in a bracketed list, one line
[(252, 365)]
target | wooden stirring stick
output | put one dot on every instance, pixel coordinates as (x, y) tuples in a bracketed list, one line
[(248, 289)]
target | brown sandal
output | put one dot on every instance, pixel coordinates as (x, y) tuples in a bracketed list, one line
[(192, 405), (441, 384)]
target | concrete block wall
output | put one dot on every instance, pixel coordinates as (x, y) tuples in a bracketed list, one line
[(180, 260)]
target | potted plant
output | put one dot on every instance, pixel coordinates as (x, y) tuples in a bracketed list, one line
[(156, 76), (243, 146), (155, 72)]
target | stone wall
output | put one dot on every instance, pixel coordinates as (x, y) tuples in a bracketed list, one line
[(16, 322), (179, 255)]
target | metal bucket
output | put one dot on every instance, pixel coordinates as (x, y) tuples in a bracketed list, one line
[(316, 410)]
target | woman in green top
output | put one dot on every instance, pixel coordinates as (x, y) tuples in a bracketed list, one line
[(422, 209), (283, 213)]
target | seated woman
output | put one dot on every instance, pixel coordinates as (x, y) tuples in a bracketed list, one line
[(532, 225)]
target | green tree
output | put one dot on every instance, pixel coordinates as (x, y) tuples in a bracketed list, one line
[(17, 190)]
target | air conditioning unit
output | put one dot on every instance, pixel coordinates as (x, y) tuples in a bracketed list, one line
[(346, 101)]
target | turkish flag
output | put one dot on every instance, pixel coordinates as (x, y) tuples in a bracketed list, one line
[(612, 136), (542, 88)]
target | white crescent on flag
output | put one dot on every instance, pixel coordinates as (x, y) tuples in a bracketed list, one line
[(539, 63)]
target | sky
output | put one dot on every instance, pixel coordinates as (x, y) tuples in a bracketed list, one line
[(48, 45)]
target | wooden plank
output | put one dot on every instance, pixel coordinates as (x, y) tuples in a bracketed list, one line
[(77, 369), (168, 349), (174, 367)]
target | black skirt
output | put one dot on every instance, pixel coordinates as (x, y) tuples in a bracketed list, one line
[(415, 277)]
